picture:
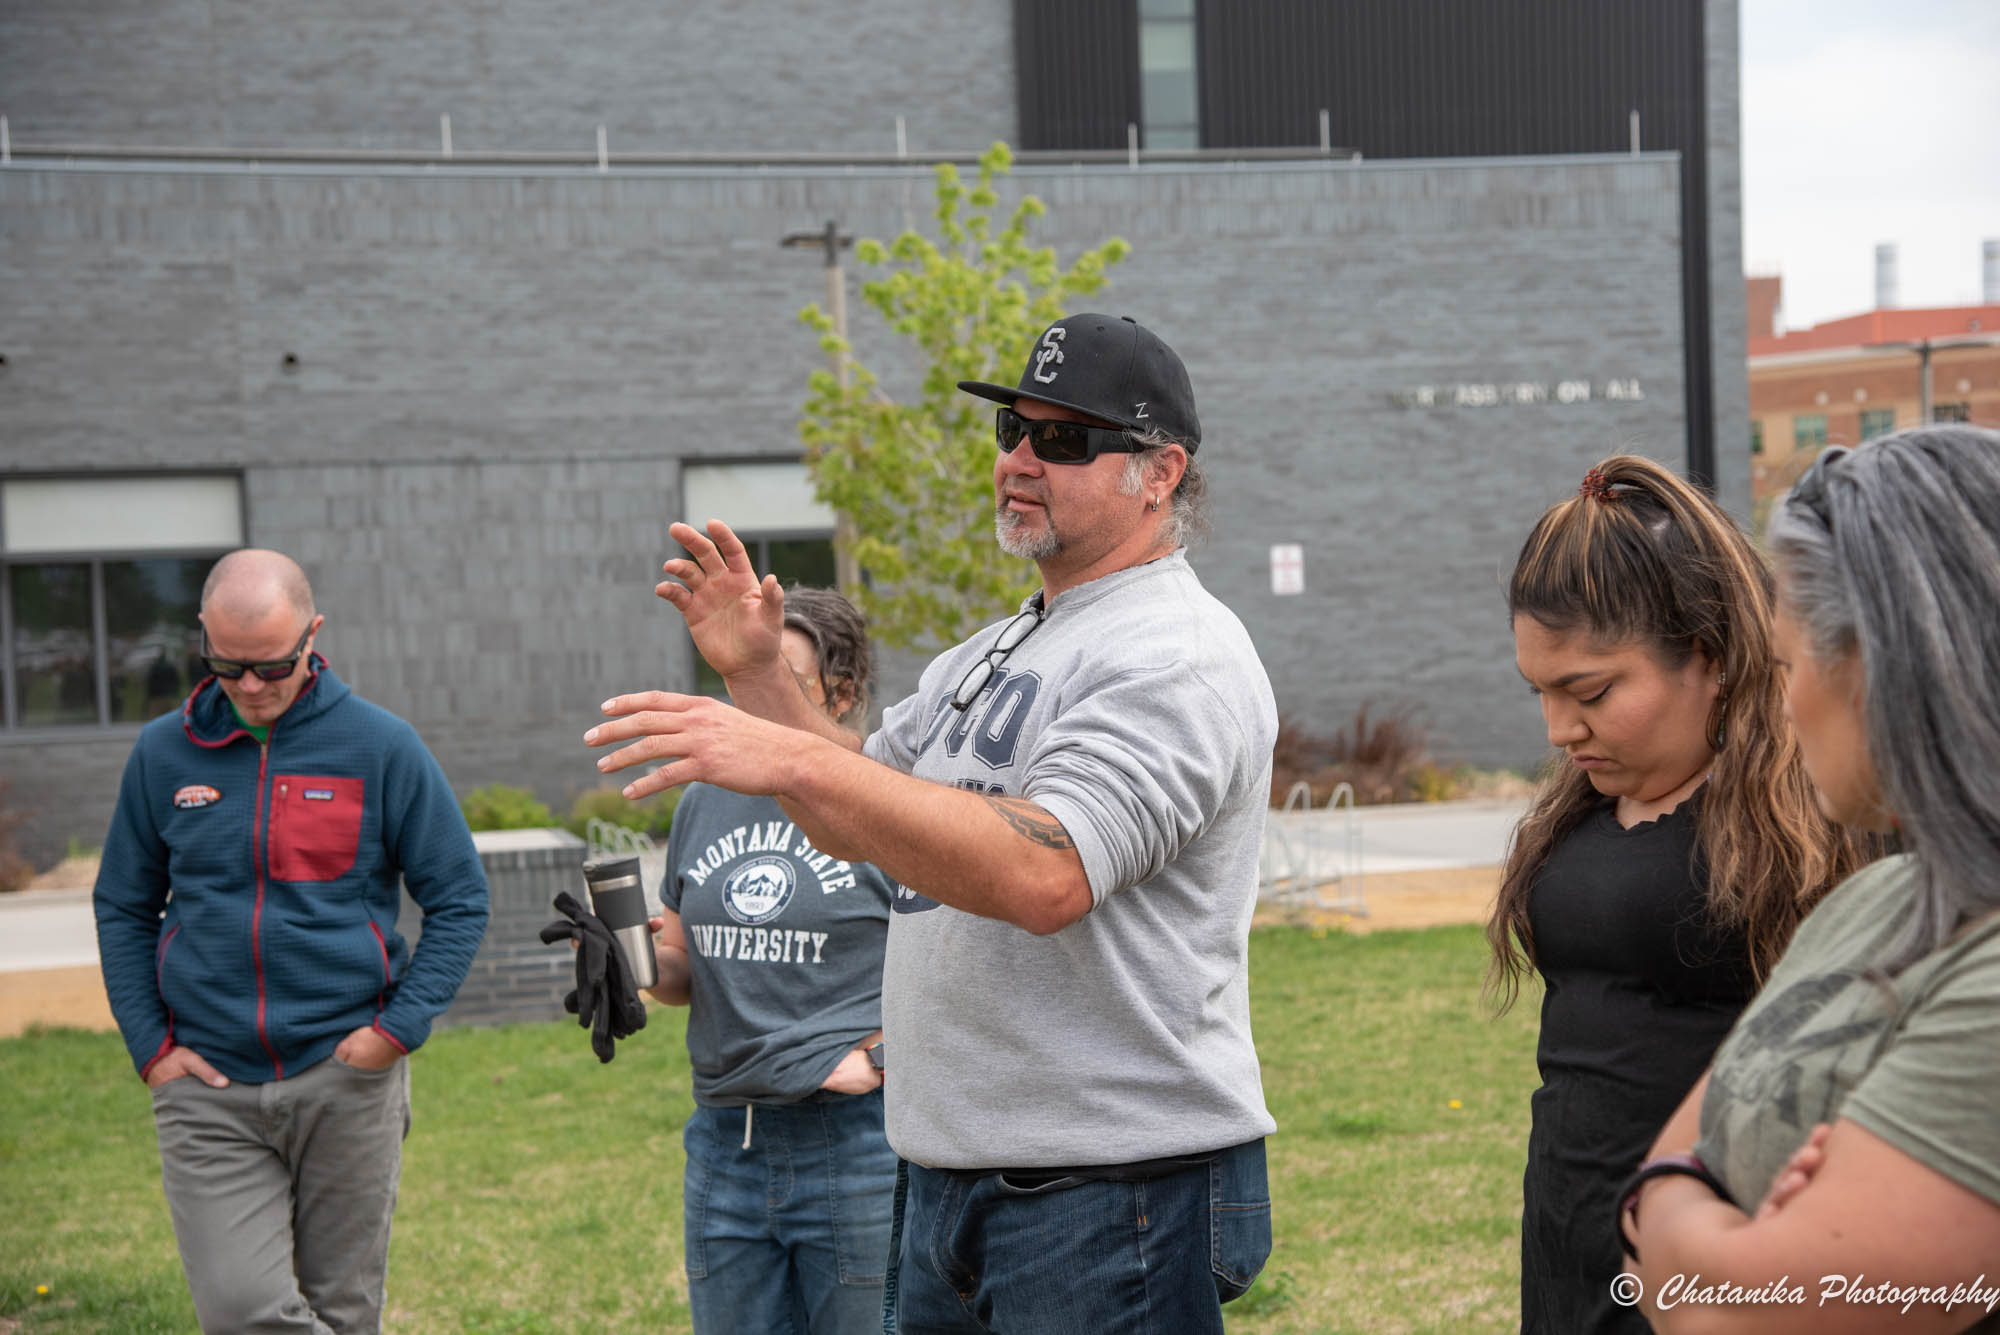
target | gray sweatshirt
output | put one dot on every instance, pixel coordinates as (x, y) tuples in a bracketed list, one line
[(1139, 715)]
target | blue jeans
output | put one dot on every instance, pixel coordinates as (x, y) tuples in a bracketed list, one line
[(981, 1254), (791, 1234)]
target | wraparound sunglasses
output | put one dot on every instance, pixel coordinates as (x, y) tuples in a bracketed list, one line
[(1061, 442)]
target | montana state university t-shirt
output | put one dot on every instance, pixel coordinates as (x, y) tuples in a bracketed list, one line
[(785, 945)]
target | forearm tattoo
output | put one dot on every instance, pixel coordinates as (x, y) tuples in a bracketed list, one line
[(1031, 822)]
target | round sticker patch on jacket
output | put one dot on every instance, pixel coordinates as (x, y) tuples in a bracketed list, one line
[(196, 795)]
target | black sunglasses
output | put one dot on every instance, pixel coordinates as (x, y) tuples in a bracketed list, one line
[(1009, 639), (1061, 442), (276, 669)]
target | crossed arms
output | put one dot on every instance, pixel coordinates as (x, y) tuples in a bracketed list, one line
[(1849, 1204)]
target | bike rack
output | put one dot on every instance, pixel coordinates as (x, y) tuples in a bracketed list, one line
[(603, 838), (1305, 855)]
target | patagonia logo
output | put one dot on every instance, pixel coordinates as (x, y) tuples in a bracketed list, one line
[(196, 795), (319, 794)]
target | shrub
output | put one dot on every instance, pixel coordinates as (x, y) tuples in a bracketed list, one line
[(1380, 757), (653, 816), (500, 806), (1431, 782)]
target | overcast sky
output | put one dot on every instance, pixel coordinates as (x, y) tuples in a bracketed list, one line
[(1867, 121)]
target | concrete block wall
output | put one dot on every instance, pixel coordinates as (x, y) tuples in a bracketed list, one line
[(1304, 303), (513, 75), (515, 978), (501, 374)]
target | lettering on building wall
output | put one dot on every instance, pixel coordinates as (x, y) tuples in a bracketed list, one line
[(1516, 393)]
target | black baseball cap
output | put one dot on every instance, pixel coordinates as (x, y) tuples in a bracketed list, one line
[(1110, 367)]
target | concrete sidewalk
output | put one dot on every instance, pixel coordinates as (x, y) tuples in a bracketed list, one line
[(54, 929), (1421, 864), (1416, 836), (47, 929)]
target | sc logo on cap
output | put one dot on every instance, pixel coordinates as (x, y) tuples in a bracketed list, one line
[(1050, 352)]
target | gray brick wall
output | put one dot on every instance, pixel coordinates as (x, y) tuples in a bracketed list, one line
[(514, 75), (502, 372), (1302, 300)]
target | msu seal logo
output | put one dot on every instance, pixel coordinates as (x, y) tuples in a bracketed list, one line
[(758, 891)]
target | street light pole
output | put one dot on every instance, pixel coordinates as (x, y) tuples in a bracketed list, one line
[(1924, 347), (847, 572)]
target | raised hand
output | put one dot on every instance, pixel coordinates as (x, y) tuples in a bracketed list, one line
[(698, 739), (737, 620)]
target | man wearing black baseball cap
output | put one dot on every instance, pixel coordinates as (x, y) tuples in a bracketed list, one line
[(1073, 805)]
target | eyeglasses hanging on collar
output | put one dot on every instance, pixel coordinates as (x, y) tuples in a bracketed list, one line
[(1010, 638)]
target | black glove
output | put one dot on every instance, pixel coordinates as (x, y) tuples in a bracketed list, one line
[(605, 1000)]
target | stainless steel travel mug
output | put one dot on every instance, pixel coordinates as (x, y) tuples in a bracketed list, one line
[(618, 898)]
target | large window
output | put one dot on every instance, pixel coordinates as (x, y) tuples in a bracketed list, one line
[(1877, 422), (1808, 431), (787, 532), (100, 583), (1169, 98), (1951, 412)]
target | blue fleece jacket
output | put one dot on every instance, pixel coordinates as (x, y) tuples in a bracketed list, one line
[(246, 903)]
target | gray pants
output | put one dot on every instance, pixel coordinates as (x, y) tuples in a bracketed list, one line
[(282, 1193)]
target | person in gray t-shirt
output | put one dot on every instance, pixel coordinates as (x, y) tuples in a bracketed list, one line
[(776, 948), (1072, 804)]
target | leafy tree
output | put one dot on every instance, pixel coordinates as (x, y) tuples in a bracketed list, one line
[(917, 477)]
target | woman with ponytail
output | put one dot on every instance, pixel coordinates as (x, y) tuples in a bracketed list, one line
[(1671, 849)]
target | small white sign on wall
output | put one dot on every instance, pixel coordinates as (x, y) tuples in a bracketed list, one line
[(1288, 568)]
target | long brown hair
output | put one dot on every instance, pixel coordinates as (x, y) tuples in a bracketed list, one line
[(1639, 555)]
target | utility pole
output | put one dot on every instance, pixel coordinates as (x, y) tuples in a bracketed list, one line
[(847, 572)]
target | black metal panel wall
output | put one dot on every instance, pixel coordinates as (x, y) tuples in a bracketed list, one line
[(1078, 67), (1411, 79), (1448, 78)]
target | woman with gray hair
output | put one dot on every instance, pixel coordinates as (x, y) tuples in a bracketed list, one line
[(776, 949), (1856, 1098)]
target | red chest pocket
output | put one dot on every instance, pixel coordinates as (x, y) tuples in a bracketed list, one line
[(315, 827)]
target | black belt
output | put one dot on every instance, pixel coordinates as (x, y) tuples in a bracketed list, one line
[(1139, 1170)]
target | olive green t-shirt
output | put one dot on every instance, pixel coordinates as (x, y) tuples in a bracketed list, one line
[(1914, 1060)]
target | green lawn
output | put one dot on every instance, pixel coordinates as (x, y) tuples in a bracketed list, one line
[(1395, 1174)]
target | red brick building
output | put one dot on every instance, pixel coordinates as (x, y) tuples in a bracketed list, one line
[(1848, 380)]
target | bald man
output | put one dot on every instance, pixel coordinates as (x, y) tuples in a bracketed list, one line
[(269, 1002)]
